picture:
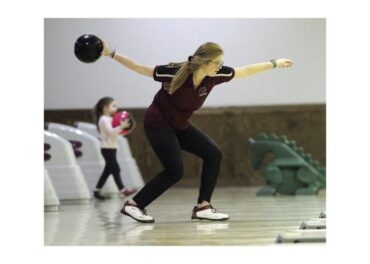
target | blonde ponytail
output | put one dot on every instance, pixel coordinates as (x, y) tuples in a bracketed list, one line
[(202, 55)]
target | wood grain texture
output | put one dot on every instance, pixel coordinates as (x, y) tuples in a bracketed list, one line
[(253, 220)]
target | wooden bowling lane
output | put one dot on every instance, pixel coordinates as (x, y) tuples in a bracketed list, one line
[(253, 220)]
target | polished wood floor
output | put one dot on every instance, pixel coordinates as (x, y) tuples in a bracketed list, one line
[(253, 220)]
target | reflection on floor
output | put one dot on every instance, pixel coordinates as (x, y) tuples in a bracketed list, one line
[(253, 220)]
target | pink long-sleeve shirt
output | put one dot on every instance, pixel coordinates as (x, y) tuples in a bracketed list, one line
[(108, 133)]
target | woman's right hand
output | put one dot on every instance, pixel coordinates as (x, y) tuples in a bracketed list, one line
[(106, 51)]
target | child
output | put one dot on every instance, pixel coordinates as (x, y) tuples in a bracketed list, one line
[(104, 111)]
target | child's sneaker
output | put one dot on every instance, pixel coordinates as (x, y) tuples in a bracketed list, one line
[(207, 212), (99, 196), (136, 213), (126, 192)]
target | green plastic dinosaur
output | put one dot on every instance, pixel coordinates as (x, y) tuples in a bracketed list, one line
[(291, 172)]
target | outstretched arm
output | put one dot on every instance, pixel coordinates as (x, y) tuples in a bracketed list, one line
[(129, 63), (248, 70)]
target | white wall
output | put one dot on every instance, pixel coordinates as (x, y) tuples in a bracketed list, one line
[(72, 84)]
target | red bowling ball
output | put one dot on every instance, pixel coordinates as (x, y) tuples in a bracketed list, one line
[(119, 117)]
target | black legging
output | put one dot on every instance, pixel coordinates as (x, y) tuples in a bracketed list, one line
[(167, 144), (111, 167)]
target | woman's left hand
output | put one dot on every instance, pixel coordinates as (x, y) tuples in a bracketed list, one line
[(284, 63)]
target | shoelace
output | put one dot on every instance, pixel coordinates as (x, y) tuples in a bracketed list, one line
[(143, 211), (214, 210)]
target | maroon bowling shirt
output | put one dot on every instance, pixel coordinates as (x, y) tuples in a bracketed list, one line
[(176, 110)]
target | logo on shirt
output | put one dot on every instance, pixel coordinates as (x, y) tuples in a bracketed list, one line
[(202, 91)]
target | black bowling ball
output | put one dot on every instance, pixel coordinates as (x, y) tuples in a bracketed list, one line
[(88, 48)]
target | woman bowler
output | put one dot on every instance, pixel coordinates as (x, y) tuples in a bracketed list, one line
[(184, 88)]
